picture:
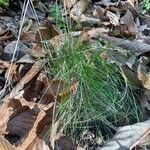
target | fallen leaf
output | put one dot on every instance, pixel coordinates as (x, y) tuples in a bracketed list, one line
[(144, 77), (6, 111), (69, 3), (5, 145), (100, 11), (133, 2), (24, 120), (37, 50), (128, 26), (51, 90), (128, 137), (113, 18), (72, 90), (56, 90), (78, 9), (89, 21), (4, 64), (27, 78), (145, 141), (38, 144), (28, 36), (134, 46), (93, 33), (26, 59), (46, 32), (5, 36), (12, 73), (43, 119)]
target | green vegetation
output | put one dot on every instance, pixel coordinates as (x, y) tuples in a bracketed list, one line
[(4, 3), (58, 15), (146, 6), (103, 96)]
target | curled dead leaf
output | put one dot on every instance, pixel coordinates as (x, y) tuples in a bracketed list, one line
[(4, 64), (24, 121), (43, 119), (78, 9), (38, 144), (12, 73), (69, 4), (93, 33), (113, 18), (128, 137), (128, 26), (46, 32), (5, 145), (28, 36), (104, 56), (133, 3), (144, 77), (27, 78)]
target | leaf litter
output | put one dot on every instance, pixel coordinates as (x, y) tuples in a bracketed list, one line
[(30, 104)]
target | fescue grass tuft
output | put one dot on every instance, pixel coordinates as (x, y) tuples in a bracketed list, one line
[(103, 98)]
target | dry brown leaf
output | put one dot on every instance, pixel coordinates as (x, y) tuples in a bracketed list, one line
[(127, 18), (133, 3), (59, 92), (69, 3), (100, 11), (28, 36), (26, 59), (144, 77), (38, 144), (133, 46), (32, 134), (6, 37), (145, 141), (65, 143), (38, 50), (20, 120), (113, 18), (104, 55), (27, 78), (43, 91), (4, 64), (6, 111), (51, 90), (61, 141), (93, 33), (78, 9), (46, 32), (128, 26), (5, 145), (24, 143), (12, 73), (128, 137), (25, 121)]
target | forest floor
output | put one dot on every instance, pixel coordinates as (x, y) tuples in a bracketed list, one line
[(74, 75)]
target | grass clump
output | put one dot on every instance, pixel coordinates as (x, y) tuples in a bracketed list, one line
[(58, 14), (103, 98)]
